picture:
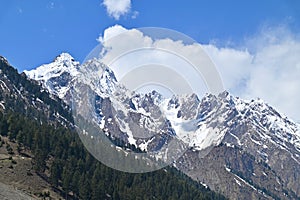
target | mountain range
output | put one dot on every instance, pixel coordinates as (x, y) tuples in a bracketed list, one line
[(42, 157), (239, 148)]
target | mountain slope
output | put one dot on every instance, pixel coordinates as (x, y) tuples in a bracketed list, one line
[(22, 95)]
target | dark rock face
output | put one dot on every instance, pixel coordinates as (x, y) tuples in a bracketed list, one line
[(259, 154), (233, 172)]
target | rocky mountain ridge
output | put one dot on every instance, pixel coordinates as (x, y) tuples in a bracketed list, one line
[(251, 129)]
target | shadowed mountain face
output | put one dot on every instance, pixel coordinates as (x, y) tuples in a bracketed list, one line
[(243, 149)]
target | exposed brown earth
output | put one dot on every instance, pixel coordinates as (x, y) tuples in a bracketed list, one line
[(18, 180)]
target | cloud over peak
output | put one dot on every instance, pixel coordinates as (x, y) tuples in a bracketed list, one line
[(269, 69)]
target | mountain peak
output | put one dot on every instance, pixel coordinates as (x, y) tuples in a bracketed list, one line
[(62, 63), (56, 76), (64, 57), (3, 59), (99, 76), (224, 94)]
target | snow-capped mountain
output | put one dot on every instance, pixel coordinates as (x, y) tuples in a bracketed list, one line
[(249, 138), (56, 76), (245, 122)]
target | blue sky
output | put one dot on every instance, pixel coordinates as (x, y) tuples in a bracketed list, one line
[(35, 31), (254, 44)]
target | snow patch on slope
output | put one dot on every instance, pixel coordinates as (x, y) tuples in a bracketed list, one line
[(4, 86), (193, 132), (2, 105)]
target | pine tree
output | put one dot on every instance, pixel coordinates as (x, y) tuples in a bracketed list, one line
[(20, 137), (55, 173), (75, 183), (84, 187), (40, 160), (66, 179)]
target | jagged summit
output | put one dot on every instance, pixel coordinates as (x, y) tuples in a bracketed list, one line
[(57, 76), (254, 114), (61, 64), (64, 57), (3, 59), (99, 76)]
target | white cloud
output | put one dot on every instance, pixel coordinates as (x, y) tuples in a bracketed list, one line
[(111, 32), (267, 66), (233, 65), (133, 49), (117, 8), (270, 72)]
